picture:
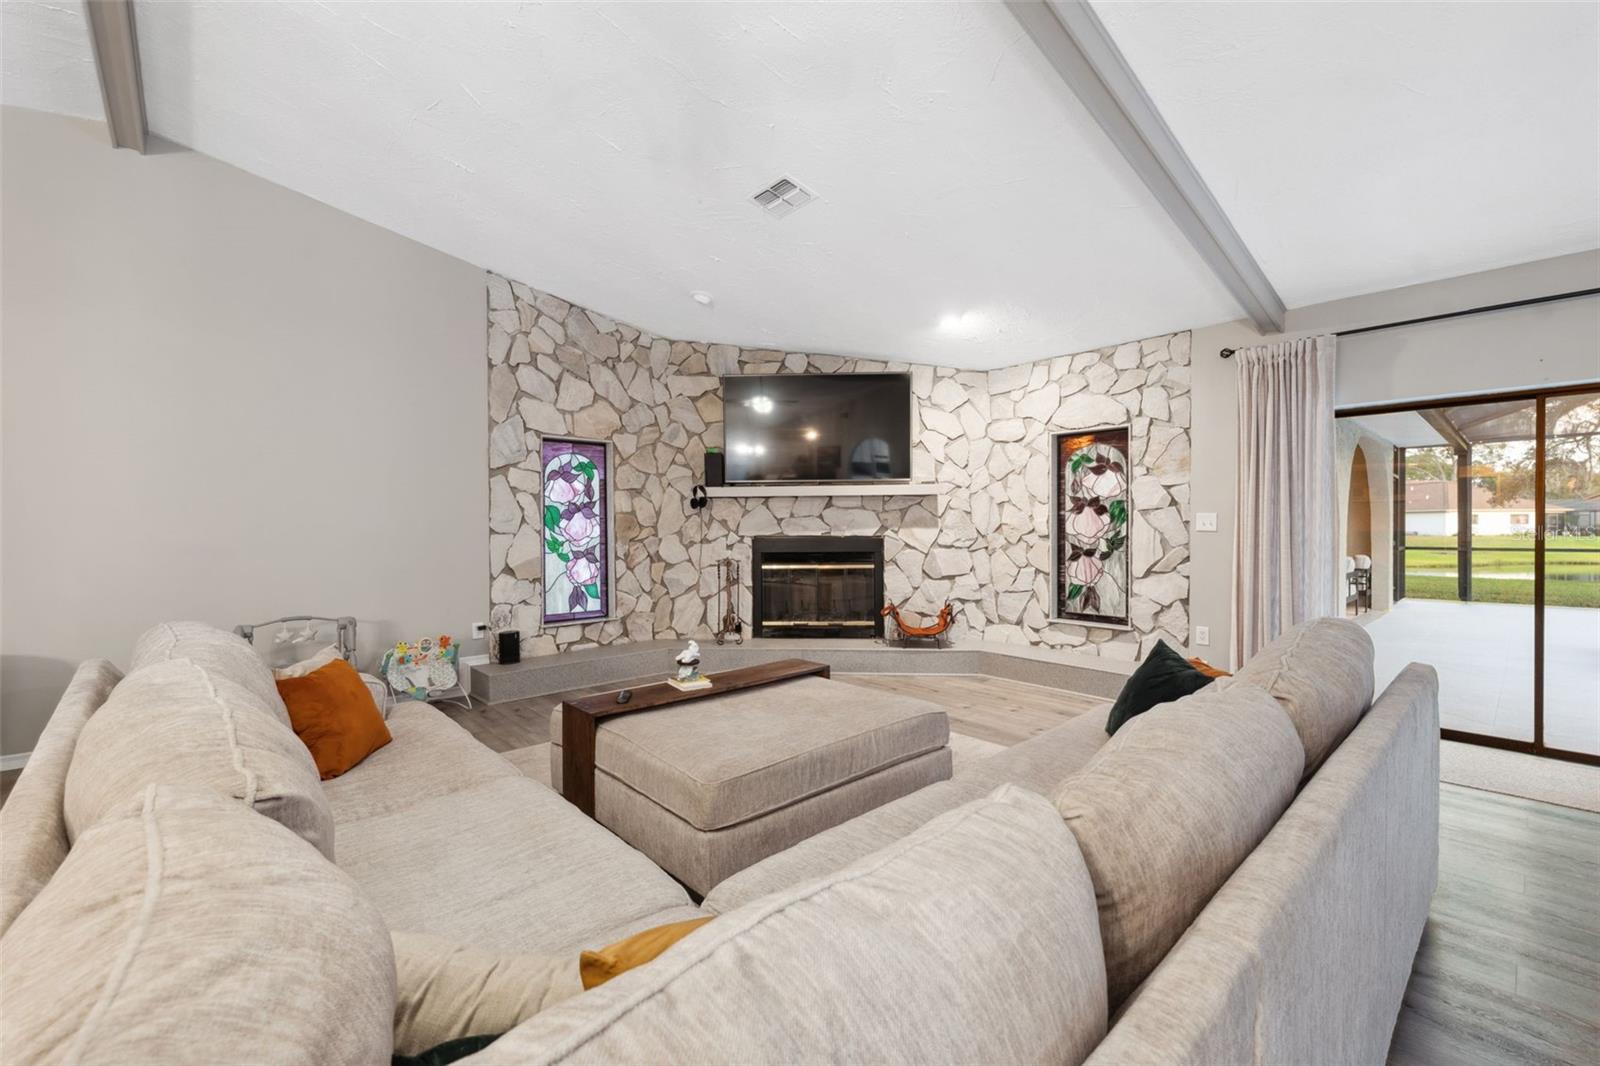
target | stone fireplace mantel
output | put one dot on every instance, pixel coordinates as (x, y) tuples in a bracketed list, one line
[(865, 488)]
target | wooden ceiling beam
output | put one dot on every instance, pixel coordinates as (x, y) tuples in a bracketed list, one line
[(116, 60), (1077, 45)]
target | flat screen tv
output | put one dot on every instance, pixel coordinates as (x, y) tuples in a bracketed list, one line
[(817, 427)]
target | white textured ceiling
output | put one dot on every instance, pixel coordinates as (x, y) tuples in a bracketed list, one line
[(606, 152), (1358, 147)]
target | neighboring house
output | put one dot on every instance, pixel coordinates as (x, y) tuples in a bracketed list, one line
[(1576, 515), (1431, 511)]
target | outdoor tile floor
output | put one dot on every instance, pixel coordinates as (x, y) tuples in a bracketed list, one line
[(1484, 655)]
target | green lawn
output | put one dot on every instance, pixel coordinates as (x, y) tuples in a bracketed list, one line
[(1572, 579), (1505, 590)]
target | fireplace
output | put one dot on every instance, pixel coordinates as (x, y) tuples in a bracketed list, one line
[(817, 586)]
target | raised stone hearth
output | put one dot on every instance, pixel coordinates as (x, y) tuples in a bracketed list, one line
[(983, 544), (633, 661)]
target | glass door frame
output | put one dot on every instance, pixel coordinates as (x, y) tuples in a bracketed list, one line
[(1537, 397)]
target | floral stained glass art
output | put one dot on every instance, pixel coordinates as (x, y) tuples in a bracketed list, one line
[(1093, 507), (577, 531)]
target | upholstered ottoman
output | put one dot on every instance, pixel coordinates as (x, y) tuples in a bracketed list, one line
[(709, 787)]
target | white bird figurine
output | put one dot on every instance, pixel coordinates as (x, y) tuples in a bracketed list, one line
[(690, 655)]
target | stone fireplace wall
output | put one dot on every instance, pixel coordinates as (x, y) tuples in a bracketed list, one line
[(984, 544)]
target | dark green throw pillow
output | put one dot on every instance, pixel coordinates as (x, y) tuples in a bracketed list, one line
[(449, 1051), (1164, 676)]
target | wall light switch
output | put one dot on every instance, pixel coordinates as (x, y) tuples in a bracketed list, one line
[(1202, 636), (1205, 522)]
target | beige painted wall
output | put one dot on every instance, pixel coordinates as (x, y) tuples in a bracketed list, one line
[(1551, 344), (224, 401)]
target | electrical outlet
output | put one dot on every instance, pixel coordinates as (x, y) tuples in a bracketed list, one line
[(480, 630), (1205, 522), (1202, 636)]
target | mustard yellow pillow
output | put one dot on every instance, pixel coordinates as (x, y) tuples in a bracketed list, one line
[(598, 967), (1207, 669), (334, 715)]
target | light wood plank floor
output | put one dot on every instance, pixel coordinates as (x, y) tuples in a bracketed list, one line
[(989, 708), (1509, 968)]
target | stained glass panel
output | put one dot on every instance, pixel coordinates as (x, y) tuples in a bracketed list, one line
[(1092, 511), (577, 531)]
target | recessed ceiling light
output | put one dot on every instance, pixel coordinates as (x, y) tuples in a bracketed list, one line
[(701, 298), (962, 325)]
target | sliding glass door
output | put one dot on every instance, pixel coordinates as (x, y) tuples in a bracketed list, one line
[(1570, 573), (1491, 570)]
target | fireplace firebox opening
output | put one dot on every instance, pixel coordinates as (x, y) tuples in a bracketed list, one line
[(817, 586)]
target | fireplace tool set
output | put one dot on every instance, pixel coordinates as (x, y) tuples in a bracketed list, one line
[(728, 624)]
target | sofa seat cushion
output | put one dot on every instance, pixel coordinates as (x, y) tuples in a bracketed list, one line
[(719, 761), (1041, 763), (223, 654), (178, 722), (896, 958), (1321, 673), (429, 755), (504, 865), (185, 928), (1169, 808), (33, 826), (833, 849)]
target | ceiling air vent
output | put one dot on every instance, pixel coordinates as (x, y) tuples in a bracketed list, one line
[(782, 197)]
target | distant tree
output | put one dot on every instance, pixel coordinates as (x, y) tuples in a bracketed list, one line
[(1506, 469), (1430, 464)]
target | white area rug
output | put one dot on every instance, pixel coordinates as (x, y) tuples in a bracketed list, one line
[(1511, 773), (534, 761)]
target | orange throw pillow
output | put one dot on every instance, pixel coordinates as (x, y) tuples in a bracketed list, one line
[(1207, 669), (334, 715), (598, 967)]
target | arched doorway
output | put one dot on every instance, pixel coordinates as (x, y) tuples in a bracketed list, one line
[(1358, 531), (1366, 520)]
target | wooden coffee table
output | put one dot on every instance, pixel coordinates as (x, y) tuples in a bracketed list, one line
[(580, 718)]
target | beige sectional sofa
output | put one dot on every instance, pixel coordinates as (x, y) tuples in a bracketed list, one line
[(1252, 866)]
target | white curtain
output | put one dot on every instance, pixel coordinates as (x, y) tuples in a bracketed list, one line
[(1286, 525)]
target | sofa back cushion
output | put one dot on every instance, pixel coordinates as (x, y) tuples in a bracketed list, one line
[(178, 723), (973, 939), (186, 928), (1168, 809), (1320, 672), (222, 653), (32, 826)]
